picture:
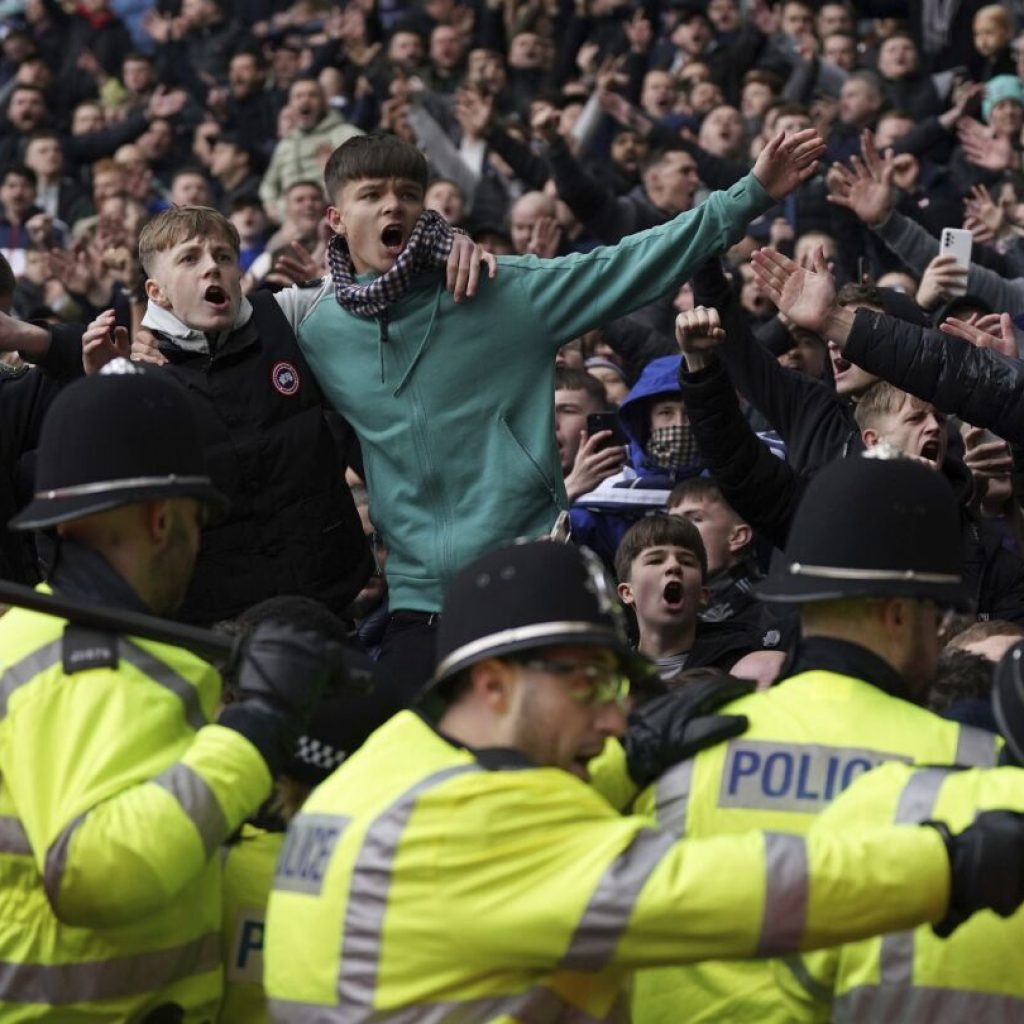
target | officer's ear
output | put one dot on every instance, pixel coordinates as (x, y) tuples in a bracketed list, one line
[(625, 592), (158, 520), (491, 681), (156, 295)]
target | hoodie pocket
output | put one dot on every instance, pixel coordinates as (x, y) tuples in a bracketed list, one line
[(532, 466)]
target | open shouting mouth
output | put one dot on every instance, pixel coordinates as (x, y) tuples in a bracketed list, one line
[(217, 297), (393, 239), (673, 594)]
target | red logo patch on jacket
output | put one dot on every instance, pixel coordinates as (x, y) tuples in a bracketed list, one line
[(285, 378)]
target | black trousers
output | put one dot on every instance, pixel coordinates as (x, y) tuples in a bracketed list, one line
[(407, 657)]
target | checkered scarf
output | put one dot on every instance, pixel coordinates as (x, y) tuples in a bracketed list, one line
[(427, 249)]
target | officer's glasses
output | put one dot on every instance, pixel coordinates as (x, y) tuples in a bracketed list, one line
[(603, 684)]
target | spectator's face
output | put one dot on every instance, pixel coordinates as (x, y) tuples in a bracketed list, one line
[(286, 66), (841, 51), (659, 93), (1006, 118), (524, 215), (250, 223), (304, 207), (548, 716), (244, 76), (45, 157), (445, 47), (17, 194), (137, 76), (721, 132), (724, 15), (833, 18), (525, 51), (306, 99), (226, 159), (850, 379), (86, 119), (405, 48), (791, 123), (720, 528), (106, 184), (665, 587), (890, 130), (446, 199), (26, 110), (615, 388), (807, 356), (190, 190), (628, 149), (897, 58), (751, 297), (797, 20), (571, 411), (858, 103), (668, 412), (917, 428), (672, 182), (991, 34), (35, 72), (704, 97), (692, 36), (198, 13), (486, 69), (376, 216), (200, 282), (755, 99), (156, 141)]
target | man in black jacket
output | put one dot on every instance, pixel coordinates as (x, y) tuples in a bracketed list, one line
[(765, 491), (292, 526)]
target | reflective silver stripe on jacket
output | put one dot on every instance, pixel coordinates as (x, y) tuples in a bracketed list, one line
[(368, 898), (13, 838), (21, 672), (672, 797), (810, 984), (93, 981), (787, 889), (611, 905), (976, 748), (50, 655), (538, 1006), (198, 801), (921, 1005)]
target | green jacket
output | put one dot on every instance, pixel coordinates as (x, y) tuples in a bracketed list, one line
[(454, 407)]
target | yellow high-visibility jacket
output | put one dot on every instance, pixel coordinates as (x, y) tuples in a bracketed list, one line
[(976, 975), (115, 795), (248, 874), (425, 883), (809, 738)]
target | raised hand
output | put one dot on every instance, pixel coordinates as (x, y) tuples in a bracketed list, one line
[(596, 460), (942, 279), (807, 296), (788, 161), (984, 148), (102, 341), (995, 331), (699, 332), (545, 238), (865, 188)]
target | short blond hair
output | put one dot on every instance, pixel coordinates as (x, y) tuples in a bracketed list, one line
[(181, 224), (881, 399)]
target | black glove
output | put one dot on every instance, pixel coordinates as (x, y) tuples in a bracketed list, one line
[(282, 671), (677, 725), (986, 866)]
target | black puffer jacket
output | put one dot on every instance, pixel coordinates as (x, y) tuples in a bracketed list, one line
[(292, 527)]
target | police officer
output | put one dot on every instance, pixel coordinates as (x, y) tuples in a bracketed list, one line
[(873, 562), (913, 977), (117, 780), (465, 871)]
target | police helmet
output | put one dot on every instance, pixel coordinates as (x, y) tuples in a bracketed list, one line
[(114, 439), (1008, 700), (871, 526), (531, 595)]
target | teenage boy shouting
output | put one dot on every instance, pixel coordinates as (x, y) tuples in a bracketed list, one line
[(453, 405)]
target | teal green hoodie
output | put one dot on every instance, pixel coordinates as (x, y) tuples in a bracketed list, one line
[(454, 404)]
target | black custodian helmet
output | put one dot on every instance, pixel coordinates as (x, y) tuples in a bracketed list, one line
[(531, 595), (114, 439), (871, 526)]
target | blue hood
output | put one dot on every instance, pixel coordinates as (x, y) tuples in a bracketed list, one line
[(659, 379)]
